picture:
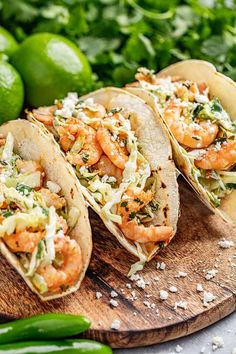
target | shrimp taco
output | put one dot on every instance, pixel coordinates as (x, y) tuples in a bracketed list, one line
[(195, 103), (44, 227), (122, 158)]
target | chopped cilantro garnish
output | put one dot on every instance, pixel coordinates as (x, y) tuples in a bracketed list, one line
[(161, 244), (45, 211), (196, 137), (197, 110), (115, 110), (216, 106), (124, 204), (85, 157), (23, 189), (8, 213), (154, 205), (132, 215), (138, 200)]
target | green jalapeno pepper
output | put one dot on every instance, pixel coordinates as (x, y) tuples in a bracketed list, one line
[(48, 326), (79, 346)]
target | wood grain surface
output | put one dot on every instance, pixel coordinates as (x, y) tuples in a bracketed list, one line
[(194, 250)]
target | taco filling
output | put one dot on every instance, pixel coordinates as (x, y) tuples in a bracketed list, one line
[(34, 223), (108, 161), (201, 126)]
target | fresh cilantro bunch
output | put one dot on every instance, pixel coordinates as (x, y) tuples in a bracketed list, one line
[(120, 35)]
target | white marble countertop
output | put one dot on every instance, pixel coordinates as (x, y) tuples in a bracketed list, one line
[(199, 342)]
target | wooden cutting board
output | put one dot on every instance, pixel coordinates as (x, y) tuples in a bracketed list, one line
[(194, 250)]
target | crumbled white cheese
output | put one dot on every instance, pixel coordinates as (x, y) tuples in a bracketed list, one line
[(211, 274), (128, 286), (199, 287), (115, 325), (208, 297), (113, 294), (161, 265), (217, 342), (156, 278), (98, 295), (135, 313), (226, 243), (173, 289), (181, 275), (181, 304), (178, 348), (53, 187), (163, 295), (141, 283), (113, 303)]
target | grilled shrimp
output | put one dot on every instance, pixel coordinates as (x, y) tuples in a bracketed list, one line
[(218, 158), (106, 167), (113, 149), (52, 199), (89, 151), (45, 114), (24, 241), (193, 135), (58, 277), (94, 110), (134, 200)]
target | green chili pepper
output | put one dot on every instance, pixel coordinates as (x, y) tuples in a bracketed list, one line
[(48, 326), (79, 346)]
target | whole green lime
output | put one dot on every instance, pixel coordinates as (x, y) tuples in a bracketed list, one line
[(8, 44), (11, 92), (51, 66)]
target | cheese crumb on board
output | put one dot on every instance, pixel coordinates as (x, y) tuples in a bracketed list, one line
[(98, 295), (161, 265), (113, 293), (181, 304), (208, 297), (113, 303), (181, 275), (211, 274), (163, 295), (173, 289), (199, 287), (226, 243), (115, 324), (217, 342), (178, 348)]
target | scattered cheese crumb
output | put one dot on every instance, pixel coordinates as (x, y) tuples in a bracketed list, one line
[(181, 304), (115, 325), (178, 349), (135, 313), (173, 289), (202, 351), (208, 297), (156, 278), (161, 265), (128, 286), (163, 295), (211, 274), (181, 275), (226, 243), (113, 294), (141, 283), (217, 342), (98, 295), (199, 287), (113, 303)]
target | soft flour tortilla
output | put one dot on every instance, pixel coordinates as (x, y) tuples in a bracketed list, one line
[(31, 143), (221, 87), (156, 148)]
